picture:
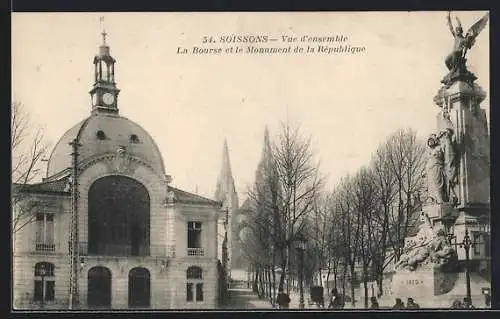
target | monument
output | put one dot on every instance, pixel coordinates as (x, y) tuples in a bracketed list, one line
[(457, 176)]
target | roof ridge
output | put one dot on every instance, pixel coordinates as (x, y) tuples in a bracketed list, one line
[(195, 196)]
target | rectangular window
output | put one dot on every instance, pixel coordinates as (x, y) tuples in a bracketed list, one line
[(487, 245), (477, 244), (194, 234), (199, 292), (189, 291), (48, 294), (45, 228)]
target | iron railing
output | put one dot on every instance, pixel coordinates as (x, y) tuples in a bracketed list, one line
[(42, 246), (195, 252), (107, 249)]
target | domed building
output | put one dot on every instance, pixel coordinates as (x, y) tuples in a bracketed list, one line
[(108, 230)]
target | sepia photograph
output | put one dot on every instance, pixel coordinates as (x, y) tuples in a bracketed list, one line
[(243, 161)]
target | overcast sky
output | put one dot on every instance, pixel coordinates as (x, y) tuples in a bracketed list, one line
[(190, 103)]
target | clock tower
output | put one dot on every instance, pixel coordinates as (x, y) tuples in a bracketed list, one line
[(104, 92)]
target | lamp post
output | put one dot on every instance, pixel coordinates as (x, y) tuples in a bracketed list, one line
[(43, 273), (466, 244), (225, 256), (301, 247)]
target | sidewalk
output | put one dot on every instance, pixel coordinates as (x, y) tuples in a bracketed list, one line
[(244, 298)]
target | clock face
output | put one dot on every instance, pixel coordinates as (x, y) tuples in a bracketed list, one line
[(108, 98)]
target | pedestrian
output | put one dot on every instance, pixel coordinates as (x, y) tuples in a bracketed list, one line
[(283, 300), (399, 304), (457, 304), (410, 304), (487, 299), (467, 304), (374, 302), (335, 300)]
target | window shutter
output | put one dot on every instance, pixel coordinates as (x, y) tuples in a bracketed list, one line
[(50, 290), (199, 292), (38, 290), (189, 292)]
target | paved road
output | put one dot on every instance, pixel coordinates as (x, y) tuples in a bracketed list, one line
[(243, 299)]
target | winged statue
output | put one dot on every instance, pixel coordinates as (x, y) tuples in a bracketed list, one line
[(463, 42)]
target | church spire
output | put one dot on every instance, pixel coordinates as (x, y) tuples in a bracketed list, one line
[(266, 150), (104, 92), (225, 183), (265, 166)]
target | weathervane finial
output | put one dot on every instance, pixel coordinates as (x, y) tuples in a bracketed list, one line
[(104, 34)]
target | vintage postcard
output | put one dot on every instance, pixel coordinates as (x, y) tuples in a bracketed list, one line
[(251, 161)]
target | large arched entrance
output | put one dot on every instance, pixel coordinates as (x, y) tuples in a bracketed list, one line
[(139, 288), (99, 287), (119, 217)]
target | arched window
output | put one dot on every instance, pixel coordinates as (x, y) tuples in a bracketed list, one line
[(44, 282), (44, 269), (194, 285), (194, 272)]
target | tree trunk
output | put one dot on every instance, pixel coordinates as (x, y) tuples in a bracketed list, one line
[(334, 276), (365, 285), (344, 276), (255, 284), (352, 286), (380, 281), (262, 287), (274, 284), (269, 284)]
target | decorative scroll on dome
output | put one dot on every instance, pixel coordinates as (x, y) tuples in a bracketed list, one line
[(121, 162)]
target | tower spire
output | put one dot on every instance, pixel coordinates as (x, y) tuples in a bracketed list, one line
[(104, 92), (103, 28), (225, 183), (265, 167)]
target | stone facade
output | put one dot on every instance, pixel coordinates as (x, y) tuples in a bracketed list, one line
[(114, 148)]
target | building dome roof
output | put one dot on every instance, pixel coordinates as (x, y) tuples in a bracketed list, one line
[(103, 133)]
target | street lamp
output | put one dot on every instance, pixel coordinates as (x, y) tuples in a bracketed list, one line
[(466, 244), (225, 255), (301, 247), (43, 273)]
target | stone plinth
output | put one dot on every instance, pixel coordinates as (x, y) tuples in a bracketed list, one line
[(441, 212), (423, 283)]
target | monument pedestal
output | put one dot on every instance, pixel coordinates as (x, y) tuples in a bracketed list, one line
[(423, 283), (443, 214)]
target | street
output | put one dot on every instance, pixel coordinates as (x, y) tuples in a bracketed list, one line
[(244, 298)]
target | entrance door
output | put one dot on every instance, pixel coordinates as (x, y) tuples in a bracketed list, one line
[(99, 288), (139, 288)]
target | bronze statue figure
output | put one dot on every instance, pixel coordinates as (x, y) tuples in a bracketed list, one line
[(462, 43)]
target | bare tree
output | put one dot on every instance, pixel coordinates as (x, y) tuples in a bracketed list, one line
[(28, 148), (300, 183), (406, 160), (365, 201), (286, 187)]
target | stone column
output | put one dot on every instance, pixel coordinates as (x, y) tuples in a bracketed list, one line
[(461, 100)]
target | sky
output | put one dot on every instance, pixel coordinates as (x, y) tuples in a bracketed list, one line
[(189, 103)]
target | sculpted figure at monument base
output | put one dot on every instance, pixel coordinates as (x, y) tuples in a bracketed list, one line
[(432, 246)]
